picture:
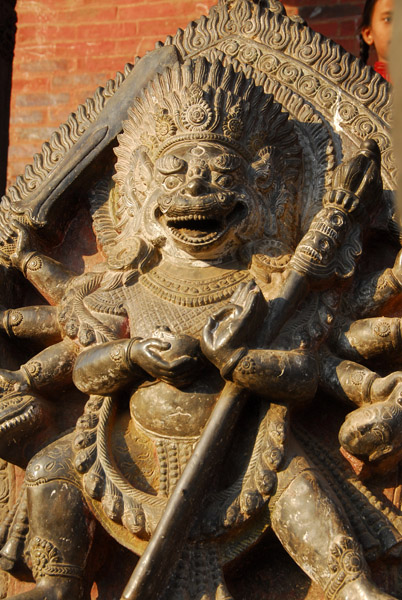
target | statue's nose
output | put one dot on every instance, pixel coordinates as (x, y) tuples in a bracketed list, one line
[(196, 186)]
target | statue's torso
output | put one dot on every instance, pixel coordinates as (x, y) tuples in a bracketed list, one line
[(182, 299)]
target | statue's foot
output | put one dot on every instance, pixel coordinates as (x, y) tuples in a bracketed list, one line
[(54, 588), (362, 589)]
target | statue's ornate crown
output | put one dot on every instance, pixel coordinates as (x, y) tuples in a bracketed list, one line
[(206, 101)]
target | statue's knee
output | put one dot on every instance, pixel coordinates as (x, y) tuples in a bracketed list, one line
[(40, 469), (304, 486), (54, 462), (303, 496)]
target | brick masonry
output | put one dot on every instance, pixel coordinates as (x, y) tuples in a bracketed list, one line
[(66, 48)]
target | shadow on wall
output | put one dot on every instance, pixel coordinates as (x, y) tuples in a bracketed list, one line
[(7, 40)]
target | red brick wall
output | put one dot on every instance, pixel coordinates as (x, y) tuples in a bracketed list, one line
[(337, 19), (66, 48)]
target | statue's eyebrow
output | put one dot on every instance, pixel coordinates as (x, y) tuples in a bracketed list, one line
[(170, 164), (226, 162)]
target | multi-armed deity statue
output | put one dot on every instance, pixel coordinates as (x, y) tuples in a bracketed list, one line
[(188, 386)]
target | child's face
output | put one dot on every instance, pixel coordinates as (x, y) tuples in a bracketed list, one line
[(378, 33)]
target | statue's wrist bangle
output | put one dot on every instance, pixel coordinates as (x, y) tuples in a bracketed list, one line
[(6, 323), (32, 372), (394, 280), (367, 388), (12, 318), (25, 261), (130, 362), (228, 368)]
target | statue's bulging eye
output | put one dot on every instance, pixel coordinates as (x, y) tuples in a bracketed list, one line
[(225, 181), (170, 164), (172, 182), (226, 162)]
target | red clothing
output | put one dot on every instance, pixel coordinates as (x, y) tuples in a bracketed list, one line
[(382, 69)]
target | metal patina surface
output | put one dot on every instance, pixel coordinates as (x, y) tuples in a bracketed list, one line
[(207, 396)]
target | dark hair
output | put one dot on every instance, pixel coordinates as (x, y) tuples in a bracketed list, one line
[(365, 22)]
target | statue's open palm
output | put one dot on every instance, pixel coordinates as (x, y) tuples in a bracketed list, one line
[(234, 324)]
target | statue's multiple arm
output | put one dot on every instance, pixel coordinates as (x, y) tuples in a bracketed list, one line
[(376, 338), (227, 342), (47, 371), (47, 275), (352, 382), (370, 294), (107, 368), (34, 323), (284, 376)]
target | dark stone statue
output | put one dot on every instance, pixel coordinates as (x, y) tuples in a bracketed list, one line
[(171, 393)]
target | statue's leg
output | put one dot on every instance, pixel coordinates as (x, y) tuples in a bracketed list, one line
[(313, 528), (60, 527)]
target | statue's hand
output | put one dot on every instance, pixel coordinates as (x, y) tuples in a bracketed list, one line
[(170, 358), (374, 431), (382, 387), (233, 324), (24, 245)]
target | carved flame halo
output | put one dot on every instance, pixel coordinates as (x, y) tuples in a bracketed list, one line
[(195, 128)]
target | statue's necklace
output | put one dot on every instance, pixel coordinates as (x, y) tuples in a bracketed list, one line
[(193, 286)]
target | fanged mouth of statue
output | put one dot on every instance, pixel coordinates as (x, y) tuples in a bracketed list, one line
[(311, 253), (200, 228)]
